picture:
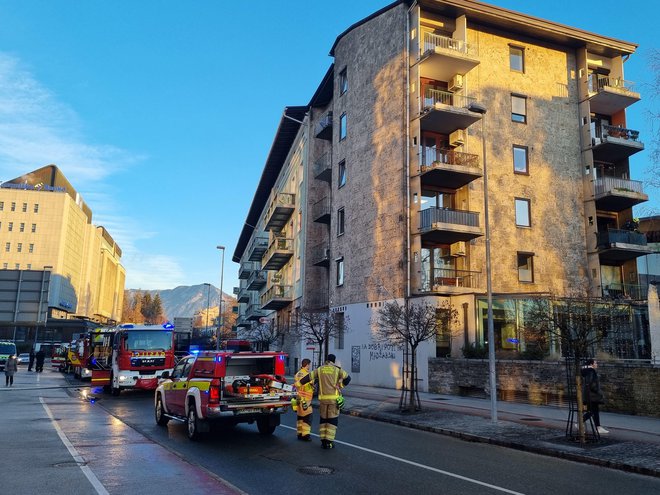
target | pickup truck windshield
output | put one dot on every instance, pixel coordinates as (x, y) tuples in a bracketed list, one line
[(149, 340)]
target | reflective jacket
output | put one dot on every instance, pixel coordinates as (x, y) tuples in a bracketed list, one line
[(330, 378), (306, 391)]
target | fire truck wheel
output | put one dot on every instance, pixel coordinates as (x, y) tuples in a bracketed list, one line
[(266, 426), (193, 423), (161, 419), (115, 390)]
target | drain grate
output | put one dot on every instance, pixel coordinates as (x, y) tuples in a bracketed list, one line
[(316, 470)]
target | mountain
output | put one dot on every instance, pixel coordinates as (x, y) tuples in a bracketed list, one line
[(186, 300)]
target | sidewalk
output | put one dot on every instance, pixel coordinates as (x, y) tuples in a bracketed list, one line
[(632, 445)]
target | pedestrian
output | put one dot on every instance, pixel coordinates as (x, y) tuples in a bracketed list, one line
[(11, 367), (330, 379), (31, 363), (592, 394), (305, 394), (40, 357)]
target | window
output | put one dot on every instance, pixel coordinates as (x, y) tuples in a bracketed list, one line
[(10, 227), (520, 163), (24, 207), (522, 213), (519, 109), (34, 227), (516, 58), (341, 180), (17, 266), (36, 208), (342, 127), (340, 221), (31, 248), (526, 267), (339, 262), (343, 82), (7, 246), (22, 227), (2, 205), (13, 206), (5, 266), (19, 247), (29, 266)]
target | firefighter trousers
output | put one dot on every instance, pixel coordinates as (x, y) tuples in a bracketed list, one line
[(329, 413)]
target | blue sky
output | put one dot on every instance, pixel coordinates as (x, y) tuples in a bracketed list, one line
[(161, 113)]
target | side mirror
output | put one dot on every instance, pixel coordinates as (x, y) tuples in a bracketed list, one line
[(165, 375)]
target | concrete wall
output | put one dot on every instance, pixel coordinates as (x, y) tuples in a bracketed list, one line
[(628, 389)]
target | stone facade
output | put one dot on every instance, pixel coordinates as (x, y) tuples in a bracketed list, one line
[(628, 389)]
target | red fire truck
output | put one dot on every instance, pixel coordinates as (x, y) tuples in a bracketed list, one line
[(131, 356)]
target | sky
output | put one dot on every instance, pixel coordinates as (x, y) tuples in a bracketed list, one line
[(161, 113)]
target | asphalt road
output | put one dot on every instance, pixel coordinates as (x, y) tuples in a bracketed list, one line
[(371, 457)]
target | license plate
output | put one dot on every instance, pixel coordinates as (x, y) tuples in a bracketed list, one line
[(248, 411)]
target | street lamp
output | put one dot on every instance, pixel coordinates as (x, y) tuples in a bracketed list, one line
[(478, 108), (222, 319), (208, 306)]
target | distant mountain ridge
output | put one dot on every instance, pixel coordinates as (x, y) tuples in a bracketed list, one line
[(185, 300)]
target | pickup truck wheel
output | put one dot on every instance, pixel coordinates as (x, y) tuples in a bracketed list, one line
[(193, 423), (265, 426), (161, 419)]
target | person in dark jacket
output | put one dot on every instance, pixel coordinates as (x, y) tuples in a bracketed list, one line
[(41, 357), (31, 363), (592, 394)]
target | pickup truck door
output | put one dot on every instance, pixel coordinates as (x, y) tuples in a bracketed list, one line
[(175, 397)]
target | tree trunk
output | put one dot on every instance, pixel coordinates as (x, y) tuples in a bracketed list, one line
[(580, 402), (413, 378)]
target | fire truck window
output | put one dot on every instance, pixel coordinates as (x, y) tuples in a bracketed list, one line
[(186, 368), (178, 370)]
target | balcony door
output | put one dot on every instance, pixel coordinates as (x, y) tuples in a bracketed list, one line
[(435, 198), (437, 266), (433, 146), (611, 280)]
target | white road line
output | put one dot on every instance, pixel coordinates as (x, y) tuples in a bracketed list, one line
[(100, 489), (423, 466)]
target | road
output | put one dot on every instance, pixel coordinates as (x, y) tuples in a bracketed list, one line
[(370, 457)]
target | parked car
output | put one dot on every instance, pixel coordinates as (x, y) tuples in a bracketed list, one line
[(24, 358)]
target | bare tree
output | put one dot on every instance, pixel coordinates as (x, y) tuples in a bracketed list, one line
[(319, 327), (264, 335), (408, 325), (580, 325)]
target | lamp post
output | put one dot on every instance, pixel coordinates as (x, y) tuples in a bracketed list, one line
[(208, 305), (221, 316), (478, 108)]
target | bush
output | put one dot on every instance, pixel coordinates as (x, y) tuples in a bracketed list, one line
[(475, 351), (533, 353)]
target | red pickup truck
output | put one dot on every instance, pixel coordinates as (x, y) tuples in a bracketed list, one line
[(224, 387)]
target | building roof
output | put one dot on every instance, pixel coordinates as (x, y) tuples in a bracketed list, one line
[(510, 21), (284, 137)]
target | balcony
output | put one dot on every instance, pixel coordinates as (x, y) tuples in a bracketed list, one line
[(617, 246), (613, 143), (614, 194), (609, 95), (277, 297), (321, 212), (324, 127), (623, 292), (242, 321), (320, 255), (448, 226), (246, 268), (322, 168), (258, 247), (243, 296), (257, 280), (448, 168), (450, 280), (254, 312), (279, 211), (445, 112), (442, 57), (316, 300), (278, 254)]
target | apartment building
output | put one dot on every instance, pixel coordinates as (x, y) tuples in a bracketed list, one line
[(46, 226), (385, 171)]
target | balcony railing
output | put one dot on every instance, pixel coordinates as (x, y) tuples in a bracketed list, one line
[(598, 82), (619, 132), (254, 312), (246, 269), (280, 209), (257, 280), (320, 254), (324, 127), (431, 216), (449, 277), (258, 247), (278, 254), (433, 42), (321, 211), (626, 291), (322, 168), (614, 236), (277, 297), (435, 158), (605, 185), (437, 96)]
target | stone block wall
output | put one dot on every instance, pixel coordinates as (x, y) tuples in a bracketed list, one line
[(628, 388)]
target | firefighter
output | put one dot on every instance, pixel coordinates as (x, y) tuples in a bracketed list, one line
[(330, 378), (305, 393)]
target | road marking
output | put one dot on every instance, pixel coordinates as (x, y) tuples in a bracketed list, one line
[(100, 489), (416, 464)]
